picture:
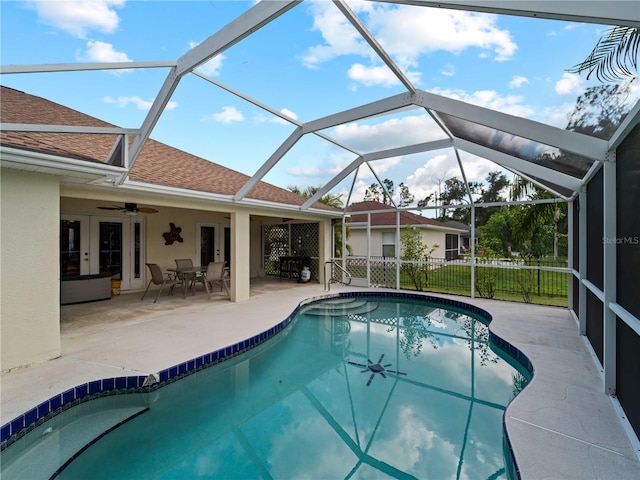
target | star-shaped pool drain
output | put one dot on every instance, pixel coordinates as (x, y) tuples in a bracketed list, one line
[(376, 368)]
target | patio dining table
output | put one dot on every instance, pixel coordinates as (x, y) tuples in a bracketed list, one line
[(189, 275)]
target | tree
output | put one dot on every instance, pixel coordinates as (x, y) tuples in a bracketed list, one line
[(614, 56), (536, 227), (373, 193), (497, 233), (414, 254), (426, 200), (376, 193), (497, 182), (406, 198), (337, 240), (328, 199), (454, 192)]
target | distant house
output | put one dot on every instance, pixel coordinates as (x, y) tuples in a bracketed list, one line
[(381, 220), (465, 238)]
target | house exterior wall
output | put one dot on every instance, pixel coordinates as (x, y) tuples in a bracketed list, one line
[(29, 255), (159, 223), (358, 241)]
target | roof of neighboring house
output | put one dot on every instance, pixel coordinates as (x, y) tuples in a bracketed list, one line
[(462, 226), (158, 163), (388, 218)]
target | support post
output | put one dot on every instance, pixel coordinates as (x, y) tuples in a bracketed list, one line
[(240, 256), (609, 246), (472, 242)]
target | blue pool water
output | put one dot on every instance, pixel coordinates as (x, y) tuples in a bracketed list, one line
[(370, 387)]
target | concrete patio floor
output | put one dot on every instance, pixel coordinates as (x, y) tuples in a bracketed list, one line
[(562, 426)]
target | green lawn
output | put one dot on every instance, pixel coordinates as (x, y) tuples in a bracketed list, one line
[(544, 287)]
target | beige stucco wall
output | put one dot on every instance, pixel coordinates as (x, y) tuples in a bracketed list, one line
[(157, 224), (358, 241), (29, 262)]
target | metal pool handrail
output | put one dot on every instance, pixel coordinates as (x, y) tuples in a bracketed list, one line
[(329, 278)]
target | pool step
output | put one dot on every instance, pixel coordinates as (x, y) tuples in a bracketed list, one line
[(341, 307), (44, 451)]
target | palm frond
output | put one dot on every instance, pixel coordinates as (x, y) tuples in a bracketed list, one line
[(615, 57)]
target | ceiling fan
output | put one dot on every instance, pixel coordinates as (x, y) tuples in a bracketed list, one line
[(131, 209)]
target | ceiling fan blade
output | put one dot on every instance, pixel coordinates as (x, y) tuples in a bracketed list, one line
[(110, 208), (146, 210)]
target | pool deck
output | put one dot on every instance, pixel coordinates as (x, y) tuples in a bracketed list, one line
[(562, 426)]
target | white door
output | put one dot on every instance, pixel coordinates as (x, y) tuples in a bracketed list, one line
[(213, 243), (74, 245), (91, 244)]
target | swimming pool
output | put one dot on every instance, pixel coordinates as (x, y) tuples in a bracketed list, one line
[(353, 386)]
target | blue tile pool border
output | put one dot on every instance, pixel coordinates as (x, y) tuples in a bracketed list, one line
[(20, 426)]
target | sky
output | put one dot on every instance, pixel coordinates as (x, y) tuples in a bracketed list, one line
[(307, 64)]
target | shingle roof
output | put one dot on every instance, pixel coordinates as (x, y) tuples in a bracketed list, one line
[(158, 163), (389, 218)]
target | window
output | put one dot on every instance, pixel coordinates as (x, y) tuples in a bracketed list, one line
[(388, 244), (451, 251)]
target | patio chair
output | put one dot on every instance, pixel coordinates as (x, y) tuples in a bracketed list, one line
[(158, 279), (186, 263), (216, 276)]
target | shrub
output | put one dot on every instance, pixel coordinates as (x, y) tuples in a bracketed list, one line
[(415, 256)]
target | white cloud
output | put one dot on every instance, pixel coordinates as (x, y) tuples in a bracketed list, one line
[(517, 81), (339, 35), (102, 52), (213, 66), (139, 103), (558, 116), (388, 133), (227, 115), (282, 121), (424, 180), (570, 84), (511, 104), (405, 33), (304, 172), (448, 70), (378, 75), (79, 17)]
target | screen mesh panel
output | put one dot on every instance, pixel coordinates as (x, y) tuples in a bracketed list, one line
[(627, 222), (595, 231)]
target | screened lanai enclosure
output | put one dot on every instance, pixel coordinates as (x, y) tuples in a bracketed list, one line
[(590, 168)]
